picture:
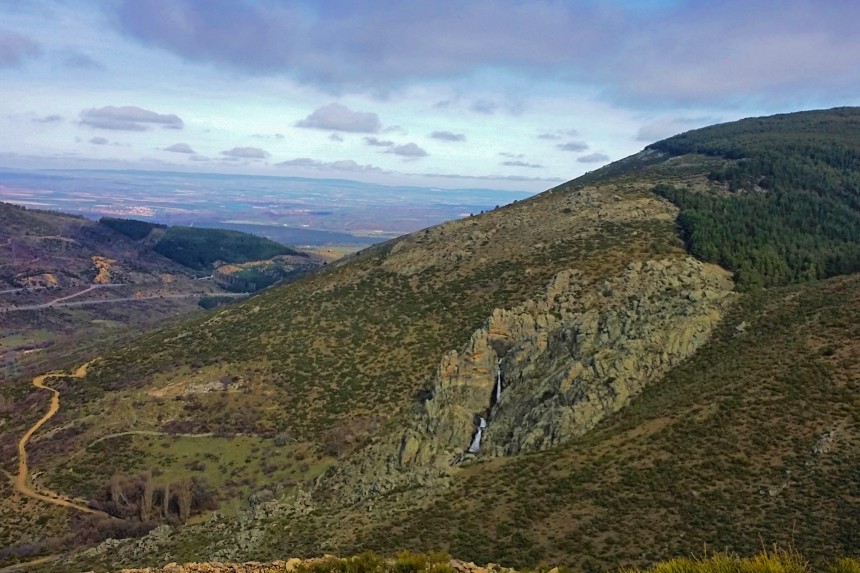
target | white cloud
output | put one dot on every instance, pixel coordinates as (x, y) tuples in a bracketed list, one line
[(409, 150), (337, 117), (245, 153), (128, 118), (179, 148)]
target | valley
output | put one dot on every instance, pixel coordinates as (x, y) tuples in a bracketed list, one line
[(655, 359)]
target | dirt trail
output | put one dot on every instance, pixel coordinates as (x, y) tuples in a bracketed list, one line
[(21, 482)]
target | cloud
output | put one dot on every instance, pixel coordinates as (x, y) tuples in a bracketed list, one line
[(267, 135), (376, 142), (520, 164), (16, 48), (337, 117), (53, 118), (558, 134), (408, 150), (484, 106), (657, 52), (573, 146), (448, 136), (99, 141), (198, 158), (512, 155), (396, 129), (79, 60), (245, 153), (128, 118), (347, 165), (180, 148), (593, 158), (521, 178), (335, 137)]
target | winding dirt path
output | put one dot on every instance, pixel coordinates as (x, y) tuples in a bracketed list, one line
[(22, 484)]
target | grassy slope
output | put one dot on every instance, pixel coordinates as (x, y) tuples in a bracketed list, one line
[(329, 359), (693, 461), (363, 338), (719, 455)]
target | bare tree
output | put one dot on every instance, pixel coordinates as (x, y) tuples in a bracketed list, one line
[(165, 501), (146, 498), (184, 496), (116, 493)]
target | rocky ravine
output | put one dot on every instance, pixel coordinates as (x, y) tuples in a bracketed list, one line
[(565, 360)]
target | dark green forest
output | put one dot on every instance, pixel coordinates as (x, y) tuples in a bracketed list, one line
[(790, 209), (200, 248), (131, 228)]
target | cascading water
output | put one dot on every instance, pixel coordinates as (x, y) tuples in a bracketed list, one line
[(475, 447), (476, 441)]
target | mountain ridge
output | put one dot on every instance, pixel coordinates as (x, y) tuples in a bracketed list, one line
[(712, 415)]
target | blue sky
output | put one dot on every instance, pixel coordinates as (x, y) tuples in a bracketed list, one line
[(504, 94)]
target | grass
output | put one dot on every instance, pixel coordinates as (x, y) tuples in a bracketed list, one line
[(719, 453), (777, 561)]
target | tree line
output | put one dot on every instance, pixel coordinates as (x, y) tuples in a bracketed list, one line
[(792, 210)]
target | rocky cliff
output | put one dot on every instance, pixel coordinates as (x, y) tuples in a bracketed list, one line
[(548, 370)]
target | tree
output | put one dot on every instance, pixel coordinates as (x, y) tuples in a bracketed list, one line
[(184, 497), (165, 501), (146, 498)]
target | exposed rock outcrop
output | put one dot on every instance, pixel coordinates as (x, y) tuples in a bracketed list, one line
[(574, 355), (566, 360)]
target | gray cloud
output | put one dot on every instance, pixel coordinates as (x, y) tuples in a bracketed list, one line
[(335, 137), (573, 146), (520, 164), (681, 51), (198, 158), (16, 48), (53, 118), (99, 141), (448, 136), (558, 134), (408, 150), (522, 178), (512, 155), (81, 61), (338, 117), (484, 106), (376, 142), (245, 153), (128, 118), (347, 165), (396, 129), (593, 158), (180, 148)]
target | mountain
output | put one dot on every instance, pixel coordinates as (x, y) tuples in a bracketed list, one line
[(66, 280), (656, 358)]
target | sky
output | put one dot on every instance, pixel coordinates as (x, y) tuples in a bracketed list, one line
[(502, 94)]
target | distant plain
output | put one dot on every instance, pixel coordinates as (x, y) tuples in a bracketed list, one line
[(291, 210)]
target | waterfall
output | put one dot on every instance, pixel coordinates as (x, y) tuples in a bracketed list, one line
[(499, 386), (476, 441)]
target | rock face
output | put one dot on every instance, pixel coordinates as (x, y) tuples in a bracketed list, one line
[(566, 359), (574, 355)]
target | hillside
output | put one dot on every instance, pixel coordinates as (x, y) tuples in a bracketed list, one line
[(557, 380), (63, 277)]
